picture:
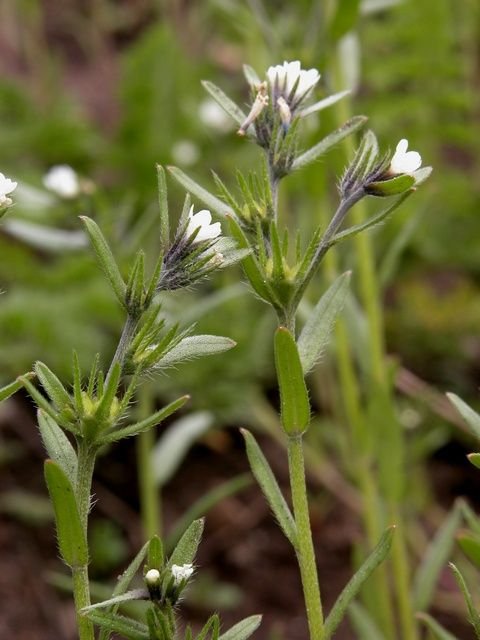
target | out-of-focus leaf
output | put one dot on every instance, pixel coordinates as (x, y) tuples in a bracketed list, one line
[(211, 201), (242, 630), (363, 623), (473, 614), (46, 238), (469, 543), (438, 631), (471, 417)]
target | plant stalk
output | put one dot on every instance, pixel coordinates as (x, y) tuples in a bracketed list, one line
[(121, 351), (81, 596), (305, 550)]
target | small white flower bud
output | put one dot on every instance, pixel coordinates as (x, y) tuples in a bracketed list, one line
[(202, 221), (404, 161), (152, 577), (284, 111), (63, 181), (181, 572)]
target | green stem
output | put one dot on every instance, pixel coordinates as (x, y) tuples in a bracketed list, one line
[(149, 493), (81, 595), (81, 588), (305, 550), (127, 334)]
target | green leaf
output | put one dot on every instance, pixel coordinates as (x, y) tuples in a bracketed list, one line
[(105, 258), (186, 548), (434, 559), (195, 347), (136, 280), (123, 583), (363, 623), (52, 386), (344, 19), (155, 553), (474, 458), (251, 267), (211, 201), (225, 102), (471, 417), (268, 484), (243, 629), (469, 543), (58, 446), (438, 631), (251, 76), (392, 187), (135, 594), (108, 395), (315, 334), (163, 208), (211, 626), (128, 628), (13, 387), (295, 406), (377, 556), (323, 104), (174, 444), (71, 538), (473, 614), (330, 141), (144, 425)]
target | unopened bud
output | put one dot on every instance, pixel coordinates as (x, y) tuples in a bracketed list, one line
[(260, 102), (284, 111), (152, 577)]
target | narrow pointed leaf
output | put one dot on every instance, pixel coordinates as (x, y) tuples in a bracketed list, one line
[(13, 387), (439, 632), (71, 539), (469, 543), (324, 104), (243, 629), (268, 484), (77, 384), (155, 553), (105, 258), (377, 556), (363, 624), (471, 417), (295, 406), (473, 614), (128, 628), (186, 548), (211, 201), (330, 141), (316, 333), (212, 625), (163, 207), (108, 396), (195, 347), (251, 76), (435, 558), (225, 102), (52, 386), (135, 594), (144, 425), (58, 446)]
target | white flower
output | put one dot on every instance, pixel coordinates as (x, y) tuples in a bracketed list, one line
[(181, 572), (212, 115), (62, 180), (152, 577), (6, 187), (201, 221), (404, 161), (185, 152), (283, 78)]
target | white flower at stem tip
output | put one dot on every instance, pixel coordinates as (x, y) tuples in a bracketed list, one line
[(201, 221), (181, 572), (63, 181), (283, 78), (152, 577), (6, 187), (403, 161)]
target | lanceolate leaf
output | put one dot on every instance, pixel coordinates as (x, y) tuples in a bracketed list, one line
[(471, 417), (363, 624), (128, 628), (105, 258), (186, 549), (225, 102), (377, 556), (195, 347), (323, 104), (163, 208), (242, 630), (435, 558), (208, 199), (330, 141), (316, 332), (438, 631), (144, 425), (268, 483), (295, 406), (135, 594), (71, 539), (52, 386), (472, 611), (58, 446)]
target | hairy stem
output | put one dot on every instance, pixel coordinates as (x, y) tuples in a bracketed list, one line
[(127, 334), (305, 551)]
